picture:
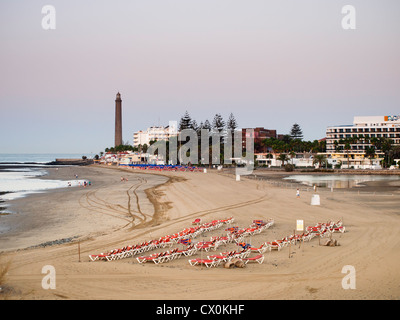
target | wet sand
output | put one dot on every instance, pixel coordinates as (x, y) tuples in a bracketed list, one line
[(103, 217), (73, 212)]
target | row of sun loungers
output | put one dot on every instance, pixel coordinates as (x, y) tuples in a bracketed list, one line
[(162, 257), (320, 229), (224, 257), (162, 242), (163, 167), (212, 262), (256, 227), (213, 244), (234, 235)]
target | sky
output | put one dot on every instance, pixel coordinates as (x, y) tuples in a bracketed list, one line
[(270, 63)]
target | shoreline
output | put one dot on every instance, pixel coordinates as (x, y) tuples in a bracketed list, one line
[(26, 224)]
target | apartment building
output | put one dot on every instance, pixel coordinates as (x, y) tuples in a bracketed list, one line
[(362, 134), (363, 130), (154, 133)]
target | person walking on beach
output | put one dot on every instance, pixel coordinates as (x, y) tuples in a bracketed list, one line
[(298, 193)]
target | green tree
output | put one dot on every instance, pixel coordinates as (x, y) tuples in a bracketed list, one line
[(292, 155), (320, 159), (283, 157), (231, 124), (370, 153), (207, 125), (185, 122), (347, 142), (218, 123), (296, 132)]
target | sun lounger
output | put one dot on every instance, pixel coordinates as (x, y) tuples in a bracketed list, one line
[(207, 262), (260, 249), (259, 258), (274, 245), (222, 258)]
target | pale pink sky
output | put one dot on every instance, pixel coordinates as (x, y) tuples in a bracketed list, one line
[(271, 63)]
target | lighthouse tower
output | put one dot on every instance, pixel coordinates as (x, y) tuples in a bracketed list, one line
[(118, 120)]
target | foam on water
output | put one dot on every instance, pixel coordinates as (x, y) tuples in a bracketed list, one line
[(17, 183)]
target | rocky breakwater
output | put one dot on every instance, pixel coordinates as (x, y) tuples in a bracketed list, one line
[(72, 162)]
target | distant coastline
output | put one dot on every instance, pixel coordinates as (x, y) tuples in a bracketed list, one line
[(26, 160)]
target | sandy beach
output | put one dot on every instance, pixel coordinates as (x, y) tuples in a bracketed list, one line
[(112, 214)]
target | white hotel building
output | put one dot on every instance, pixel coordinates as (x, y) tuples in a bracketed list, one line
[(367, 127), (154, 133)]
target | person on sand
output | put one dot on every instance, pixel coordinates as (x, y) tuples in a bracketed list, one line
[(298, 193)]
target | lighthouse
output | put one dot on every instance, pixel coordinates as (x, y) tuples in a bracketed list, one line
[(118, 120)]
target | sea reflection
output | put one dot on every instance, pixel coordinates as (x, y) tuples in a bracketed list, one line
[(339, 181)]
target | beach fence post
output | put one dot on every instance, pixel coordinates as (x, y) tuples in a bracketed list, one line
[(79, 250)]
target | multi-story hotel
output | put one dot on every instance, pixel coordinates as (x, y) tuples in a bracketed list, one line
[(362, 133), (364, 128), (153, 134)]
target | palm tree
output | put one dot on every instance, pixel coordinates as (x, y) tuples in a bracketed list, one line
[(292, 155), (347, 146), (386, 148), (283, 157), (336, 144), (320, 159), (370, 153)]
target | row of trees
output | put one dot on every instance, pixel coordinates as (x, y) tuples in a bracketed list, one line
[(121, 148), (218, 124), (288, 144)]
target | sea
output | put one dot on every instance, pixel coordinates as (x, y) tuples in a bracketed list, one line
[(20, 175), (339, 181)]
